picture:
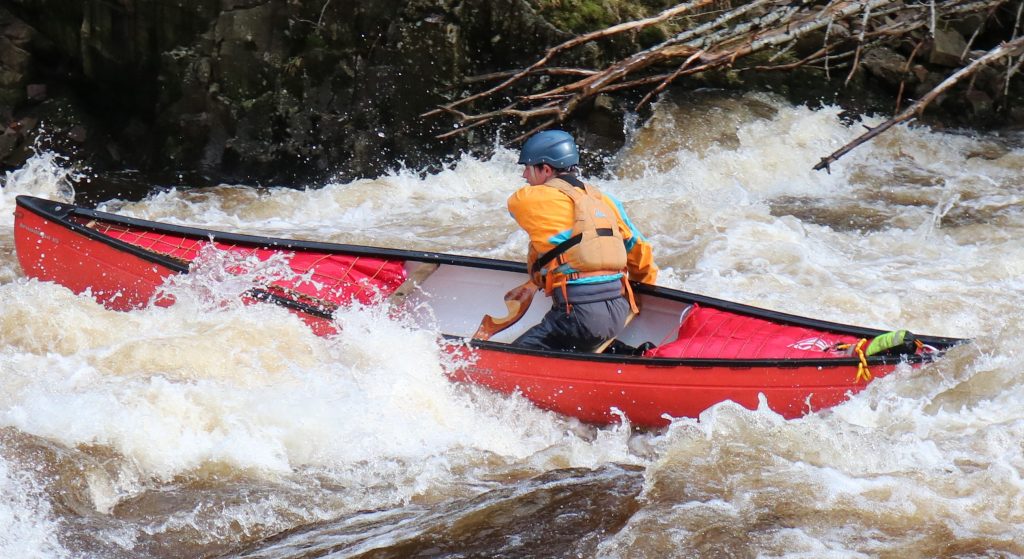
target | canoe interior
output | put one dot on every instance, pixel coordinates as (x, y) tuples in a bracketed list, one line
[(459, 297)]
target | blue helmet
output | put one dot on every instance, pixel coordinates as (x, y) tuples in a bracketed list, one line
[(554, 147)]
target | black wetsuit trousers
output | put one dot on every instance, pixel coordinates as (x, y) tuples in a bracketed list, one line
[(583, 328)]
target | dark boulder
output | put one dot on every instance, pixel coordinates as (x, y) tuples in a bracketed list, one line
[(263, 91)]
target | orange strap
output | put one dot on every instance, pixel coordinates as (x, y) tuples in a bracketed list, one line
[(629, 295)]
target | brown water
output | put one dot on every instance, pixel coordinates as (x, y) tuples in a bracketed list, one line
[(210, 429)]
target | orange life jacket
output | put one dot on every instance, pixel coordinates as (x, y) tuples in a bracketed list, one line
[(595, 248)]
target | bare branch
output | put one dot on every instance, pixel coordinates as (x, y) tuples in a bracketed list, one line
[(915, 110), (724, 39), (544, 71), (576, 41), (665, 83), (906, 69)]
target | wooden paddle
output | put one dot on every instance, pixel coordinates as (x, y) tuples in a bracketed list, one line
[(517, 300)]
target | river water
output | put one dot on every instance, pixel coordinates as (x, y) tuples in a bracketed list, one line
[(212, 429)]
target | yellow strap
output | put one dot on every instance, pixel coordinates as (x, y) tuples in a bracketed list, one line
[(862, 368)]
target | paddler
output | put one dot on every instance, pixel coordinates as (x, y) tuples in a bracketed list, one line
[(582, 249)]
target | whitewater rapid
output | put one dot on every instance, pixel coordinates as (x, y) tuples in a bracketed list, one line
[(207, 426)]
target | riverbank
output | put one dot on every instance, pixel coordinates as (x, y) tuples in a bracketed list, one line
[(268, 92)]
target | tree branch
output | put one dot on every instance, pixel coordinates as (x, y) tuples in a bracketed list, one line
[(915, 110), (721, 41)]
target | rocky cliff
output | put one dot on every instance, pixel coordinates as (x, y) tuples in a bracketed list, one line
[(261, 91), (288, 92)]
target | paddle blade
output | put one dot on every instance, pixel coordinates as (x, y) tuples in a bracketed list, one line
[(517, 300)]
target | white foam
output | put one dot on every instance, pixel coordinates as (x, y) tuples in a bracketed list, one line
[(27, 527), (211, 384), (203, 384)]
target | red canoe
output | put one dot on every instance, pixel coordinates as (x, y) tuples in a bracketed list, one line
[(705, 350)]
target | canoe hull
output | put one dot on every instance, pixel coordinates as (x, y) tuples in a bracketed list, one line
[(602, 392), (117, 261), (119, 280)]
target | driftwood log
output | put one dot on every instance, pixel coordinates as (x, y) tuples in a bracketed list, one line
[(715, 38)]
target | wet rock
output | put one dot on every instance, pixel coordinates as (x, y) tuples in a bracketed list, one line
[(920, 72), (980, 102), (78, 134), (273, 91), (8, 140), (947, 48), (36, 91), (15, 62), (16, 142), (930, 81), (602, 130), (812, 42), (288, 92), (887, 65)]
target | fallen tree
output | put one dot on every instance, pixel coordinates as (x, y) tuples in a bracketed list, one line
[(714, 39)]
